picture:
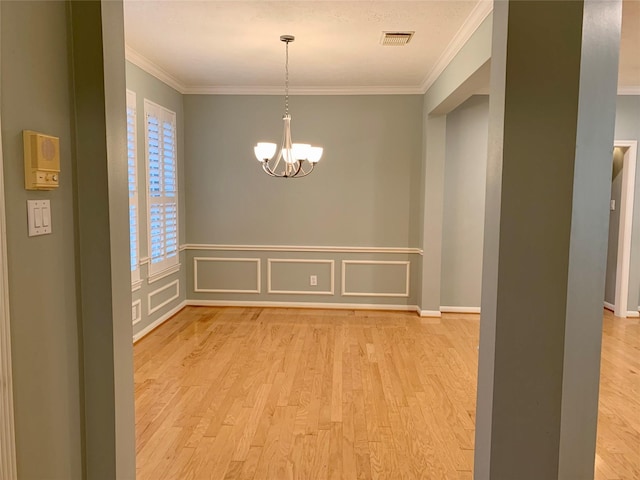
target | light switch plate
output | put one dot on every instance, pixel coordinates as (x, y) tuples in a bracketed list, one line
[(39, 217)]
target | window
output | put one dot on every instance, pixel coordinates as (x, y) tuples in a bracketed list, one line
[(132, 155), (162, 182)]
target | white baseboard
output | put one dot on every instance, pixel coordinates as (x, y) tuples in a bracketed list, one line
[(152, 326), (633, 314), (447, 309), (429, 313), (609, 306), (339, 306)]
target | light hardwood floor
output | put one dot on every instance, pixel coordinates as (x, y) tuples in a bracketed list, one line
[(251, 393)]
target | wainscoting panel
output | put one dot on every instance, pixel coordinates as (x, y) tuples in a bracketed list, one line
[(383, 278), (292, 276), (226, 275), (162, 296), (369, 278), (136, 311)]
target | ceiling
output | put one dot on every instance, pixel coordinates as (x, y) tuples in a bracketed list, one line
[(234, 47)]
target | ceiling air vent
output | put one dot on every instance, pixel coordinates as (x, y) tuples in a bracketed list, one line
[(396, 39)]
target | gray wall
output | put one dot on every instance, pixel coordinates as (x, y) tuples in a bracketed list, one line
[(628, 128), (361, 193), (148, 87), (364, 192), (42, 277), (464, 192), (614, 226)]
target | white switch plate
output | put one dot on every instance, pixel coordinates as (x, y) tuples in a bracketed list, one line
[(613, 205), (313, 280), (39, 217)]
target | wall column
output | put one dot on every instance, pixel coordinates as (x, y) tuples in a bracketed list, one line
[(435, 142), (553, 89), (99, 86)]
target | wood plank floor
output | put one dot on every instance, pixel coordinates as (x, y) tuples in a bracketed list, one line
[(252, 393)]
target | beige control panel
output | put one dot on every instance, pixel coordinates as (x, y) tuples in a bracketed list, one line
[(41, 161)]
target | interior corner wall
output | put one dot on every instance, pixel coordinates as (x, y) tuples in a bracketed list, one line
[(42, 278), (628, 128), (464, 192), (465, 172), (155, 302), (365, 192)]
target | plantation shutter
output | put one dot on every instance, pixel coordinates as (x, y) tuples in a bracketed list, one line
[(162, 181), (132, 172)]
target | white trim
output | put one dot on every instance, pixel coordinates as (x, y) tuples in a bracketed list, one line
[(151, 311), (152, 326), (8, 468), (473, 21), (374, 262), (609, 306), (429, 313), (331, 290), (629, 90), (328, 306), (137, 285), (138, 316), (300, 248), (481, 11), (182, 248), (224, 290), (144, 260), (448, 309), (270, 90), (153, 69), (626, 224), (633, 314), (164, 273)]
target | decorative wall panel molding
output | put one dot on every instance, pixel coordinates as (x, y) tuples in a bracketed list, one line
[(151, 310), (196, 279), (136, 312), (271, 261), (345, 268)]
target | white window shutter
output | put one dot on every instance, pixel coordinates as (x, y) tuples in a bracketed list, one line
[(162, 181), (132, 172)]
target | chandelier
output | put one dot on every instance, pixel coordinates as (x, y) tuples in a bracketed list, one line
[(295, 160)]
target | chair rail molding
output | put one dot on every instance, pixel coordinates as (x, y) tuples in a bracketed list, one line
[(300, 248)]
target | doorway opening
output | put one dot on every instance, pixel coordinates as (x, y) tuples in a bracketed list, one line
[(616, 296)]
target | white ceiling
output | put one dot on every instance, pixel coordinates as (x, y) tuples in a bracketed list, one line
[(234, 46)]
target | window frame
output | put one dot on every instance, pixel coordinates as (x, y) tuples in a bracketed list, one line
[(169, 263), (134, 199)]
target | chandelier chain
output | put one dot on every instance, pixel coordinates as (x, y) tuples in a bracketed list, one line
[(286, 81)]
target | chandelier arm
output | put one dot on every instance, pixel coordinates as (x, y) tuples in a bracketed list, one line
[(304, 173), (270, 172), (277, 162), (267, 170)]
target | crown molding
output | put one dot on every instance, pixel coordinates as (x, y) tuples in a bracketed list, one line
[(629, 90), (264, 90), (153, 69), (481, 11)]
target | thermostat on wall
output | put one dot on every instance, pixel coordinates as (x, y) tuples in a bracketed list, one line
[(41, 161)]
